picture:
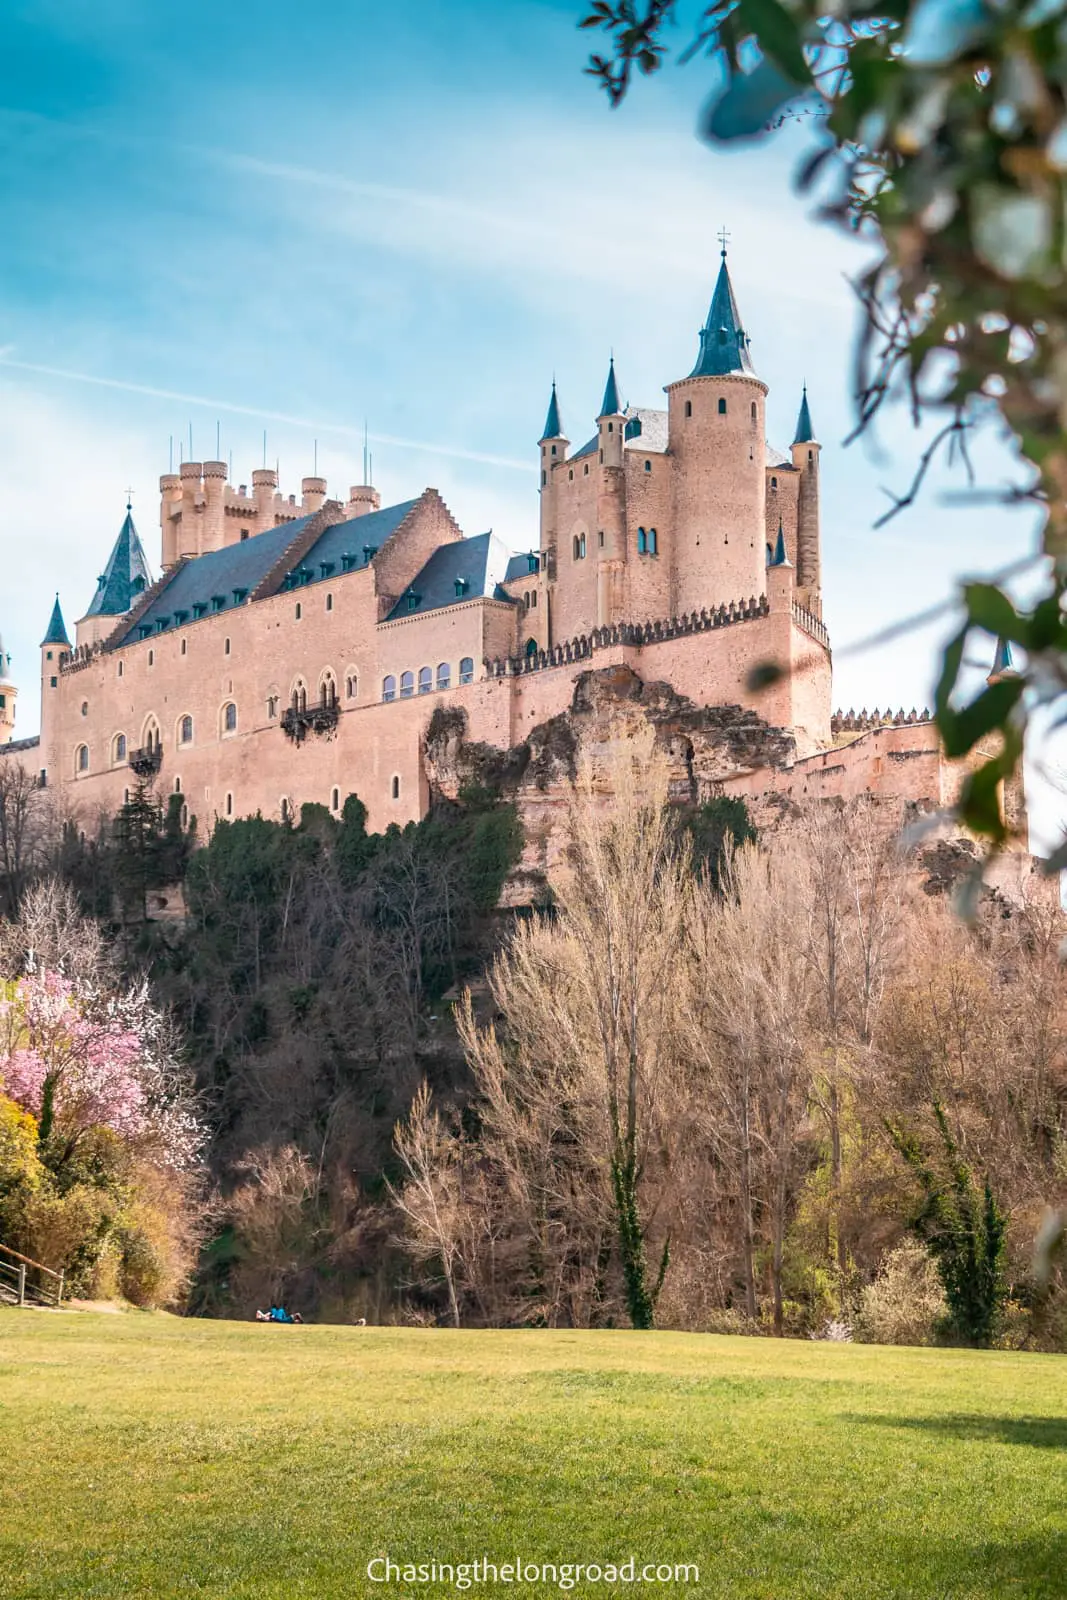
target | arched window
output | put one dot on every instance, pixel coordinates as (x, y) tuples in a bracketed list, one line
[(811, 455), (444, 675), (581, 543), (229, 805), (229, 717), (85, 708), (389, 688), (407, 685), (466, 670), (753, 411), (272, 705), (351, 686), (648, 466), (185, 731), (81, 759), (642, 541), (283, 807), (177, 786), (226, 648), (335, 799), (151, 658), (396, 788), (299, 611), (577, 555), (329, 602), (150, 737), (531, 647), (722, 407), (533, 600), (120, 671), (185, 652), (425, 680), (653, 548), (118, 748), (774, 483), (689, 408), (327, 690)]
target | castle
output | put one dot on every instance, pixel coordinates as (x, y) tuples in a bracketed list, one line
[(295, 652)]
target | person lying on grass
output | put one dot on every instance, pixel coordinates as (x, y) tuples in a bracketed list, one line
[(277, 1314)]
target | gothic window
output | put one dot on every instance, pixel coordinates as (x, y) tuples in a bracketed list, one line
[(642, 541), (531, 647), (118, 748), (581, 546), (689, 408), (151, 738), (229, 717), (722, 407), (82, 758), (185, 731), (351, 686), (653, 548), (327, 690), (407, 685), (576, 548), (272, 705), (466, 670), (396, 788), (444, 675), (425, 680), (389, 688)]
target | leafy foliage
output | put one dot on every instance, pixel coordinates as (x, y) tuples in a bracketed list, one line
[(943, 137)]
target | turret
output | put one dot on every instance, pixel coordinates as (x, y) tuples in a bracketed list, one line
[(312, 495), (805, 453), (120, 585), (192, 508), (553, 446), (611, 422), (170, 507), (717, 432), (264, 487), (610, 531), (780, 575), (55, 646), (8, 696), (213, 519)]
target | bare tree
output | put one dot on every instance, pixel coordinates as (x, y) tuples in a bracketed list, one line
[(431, 1198), (25, 830)]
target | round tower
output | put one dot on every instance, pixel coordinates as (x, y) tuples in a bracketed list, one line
[(610, 531), (805, 451), (8, 696), (717, 429), (55, 647), (553, 447)]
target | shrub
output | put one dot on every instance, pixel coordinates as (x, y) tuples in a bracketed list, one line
[(906, 1303), (142, 1274)]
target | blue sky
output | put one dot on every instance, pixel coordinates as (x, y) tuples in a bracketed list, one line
[(293, 217)]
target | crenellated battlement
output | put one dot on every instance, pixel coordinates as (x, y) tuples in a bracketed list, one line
[(851, 721)]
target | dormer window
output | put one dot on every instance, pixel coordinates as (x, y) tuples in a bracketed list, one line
[(369, 552), (180, 617), (325, 568), (199, 608), (533, 561), (218, 602), (138, 585), (347, 562), (145, 629), (461, 587), (162, 624), (239, 596), (412, 600)]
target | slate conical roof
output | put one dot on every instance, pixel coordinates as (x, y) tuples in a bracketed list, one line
[(553, 426), (723, 342), (57, 628), (125, 576), (612, 406), (1003, 662), (781, 558), (805, 433)]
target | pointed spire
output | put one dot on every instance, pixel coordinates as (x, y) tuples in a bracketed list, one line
[(805, 433), (612, 406), (5, 664), (57, 628), (781, 557), (125, 576), (723, 341), (553, 425), (1003, 663)]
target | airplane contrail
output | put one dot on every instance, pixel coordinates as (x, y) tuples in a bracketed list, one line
[(311, 423)]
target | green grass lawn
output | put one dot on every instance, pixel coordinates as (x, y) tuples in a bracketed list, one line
[(148, 1456)]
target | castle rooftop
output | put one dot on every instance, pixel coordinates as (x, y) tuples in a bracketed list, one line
[(125, 577), (467, 569)]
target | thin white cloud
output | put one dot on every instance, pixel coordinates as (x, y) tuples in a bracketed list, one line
[(312, 424)]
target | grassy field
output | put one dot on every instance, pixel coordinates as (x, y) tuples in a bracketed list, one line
[(148, 1456)]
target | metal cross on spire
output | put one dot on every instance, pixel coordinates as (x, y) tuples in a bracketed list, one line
[(129, 499), (724, 239)]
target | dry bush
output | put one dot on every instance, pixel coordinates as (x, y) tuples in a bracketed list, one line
[(905, 1302)]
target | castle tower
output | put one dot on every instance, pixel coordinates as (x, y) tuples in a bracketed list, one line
[(717, 433), (553, 446), (611, 503), (55, 647), (8, 696), (805, 451), (122, 581)]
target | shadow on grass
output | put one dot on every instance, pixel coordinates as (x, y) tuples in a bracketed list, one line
[(1043, 1433)]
